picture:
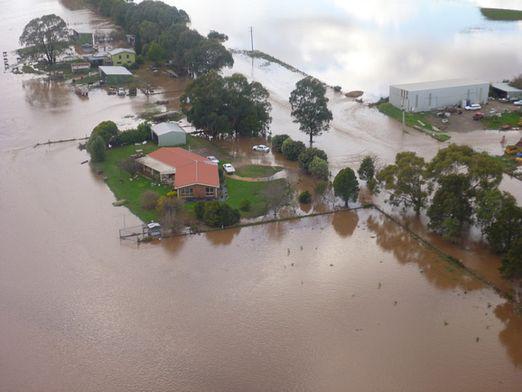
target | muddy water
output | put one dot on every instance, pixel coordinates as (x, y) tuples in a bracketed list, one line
[(347, 301)]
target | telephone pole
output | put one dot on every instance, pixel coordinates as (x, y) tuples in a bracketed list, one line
[(252, 38)]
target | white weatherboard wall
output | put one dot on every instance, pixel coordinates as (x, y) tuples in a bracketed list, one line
[(423, 97)]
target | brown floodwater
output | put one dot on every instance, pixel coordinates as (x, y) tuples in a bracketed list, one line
[(342, 302)]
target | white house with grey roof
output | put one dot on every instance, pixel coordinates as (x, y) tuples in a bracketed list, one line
[(426, 96), (168, 134)]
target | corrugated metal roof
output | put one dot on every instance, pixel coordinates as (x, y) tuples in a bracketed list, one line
[(439, 84), (115, 70), (160, 167), (116, 51), (167, 127), (506, 88)]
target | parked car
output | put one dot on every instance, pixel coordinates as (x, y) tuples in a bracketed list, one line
[(213, 159), (518, 103), (154, 229), (503, 100), (261, 148), (228, 168), (121, 92), (478, 116), (474, 106)]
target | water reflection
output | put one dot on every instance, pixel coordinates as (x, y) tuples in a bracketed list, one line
[(510, 335), (345, 223), (222, 237), (46, 94), (392, 238)]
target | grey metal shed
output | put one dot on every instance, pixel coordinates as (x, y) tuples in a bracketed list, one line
[(169, 134)]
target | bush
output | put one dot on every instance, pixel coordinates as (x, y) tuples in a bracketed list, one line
[(138, 135), (245, 205), (199, 209), (367, 169), (129, 165), (149, 200), (305, 197), (306, 157), (319, 168), (512, 262), (291, 149), (219, 214), (338, 89), (277, 142), (321, 187), (106, 130), (346, 185), (97, 149)]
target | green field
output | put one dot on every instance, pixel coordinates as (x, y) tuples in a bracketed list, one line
[(501, 14), (126, 187), (253, 191), (257, 171), (495, 122)]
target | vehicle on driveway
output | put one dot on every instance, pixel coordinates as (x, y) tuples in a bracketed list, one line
[(474, 106), (518, 103), (228, 168), (213, 159), (261, 148), (478, 116)]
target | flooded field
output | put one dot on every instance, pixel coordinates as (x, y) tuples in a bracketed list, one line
[(322, 304)]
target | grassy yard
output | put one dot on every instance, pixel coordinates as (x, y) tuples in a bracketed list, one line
[(418, 121), (257, 171), (501, 14), (126, 187), (495, 122), (253, 191)]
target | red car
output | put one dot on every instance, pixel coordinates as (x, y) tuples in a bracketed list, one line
[(478, 116)]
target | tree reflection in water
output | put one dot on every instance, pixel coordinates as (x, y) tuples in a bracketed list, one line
[(345, 223), (510, 335), (392, 238), (46, 94), (222, 237)]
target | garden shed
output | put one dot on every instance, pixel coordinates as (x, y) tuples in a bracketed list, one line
[(168, 134)]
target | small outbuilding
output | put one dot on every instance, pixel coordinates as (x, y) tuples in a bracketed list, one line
[(168, 134), (115, 74), (426, 96), (505, 90)]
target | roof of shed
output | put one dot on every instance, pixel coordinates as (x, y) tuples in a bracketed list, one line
[(506, 88), (439, 84), (115, 70), (116, 51), (167, 127)]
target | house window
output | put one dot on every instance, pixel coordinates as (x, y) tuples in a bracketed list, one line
[(128, 56), (209, 191), (186, 192)]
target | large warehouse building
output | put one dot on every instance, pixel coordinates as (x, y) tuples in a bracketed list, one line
[(426, 96)]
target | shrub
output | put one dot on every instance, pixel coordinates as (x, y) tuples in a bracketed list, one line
[(219, 214), (129, 165), (319, 168), (367, 169), (245, 205), (149, 200), (291, 149), (512, 262), (346, 185), (106, 130), (306, 157), (138, 135), (97, 149), (199, 209), (321, 187), (277, 142), (338, 89), (305, 197)]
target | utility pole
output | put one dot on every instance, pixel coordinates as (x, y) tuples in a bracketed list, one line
[(252, 38)]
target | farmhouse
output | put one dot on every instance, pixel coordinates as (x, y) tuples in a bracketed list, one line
[(123, 56), (426, 96), (192, 176), (504, 90), (168, 134), (114, 75)]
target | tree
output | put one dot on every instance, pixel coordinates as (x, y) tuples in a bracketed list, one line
[(277, 142), (219, 214), (517, 82), (149, 200), (106, 130), (97, 149), (155, 53), (305, 197), (405, 181), (306, 157), (367, 169), (451, 208), (229, 105), (346, 185), (292, 149), (207, 56), (512, 262), (216, 36), (46, 36), (319, 168), (488, 204), (310, 107), (170, 209), (506, 228)]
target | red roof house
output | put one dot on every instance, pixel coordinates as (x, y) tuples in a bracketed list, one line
[(193, 176)]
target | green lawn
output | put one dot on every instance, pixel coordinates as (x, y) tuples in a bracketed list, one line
[(495, 122), (124, 186), (253, 191), (257, 171), (418, 121), (501, 14)]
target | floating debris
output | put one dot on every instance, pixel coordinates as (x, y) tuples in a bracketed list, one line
[(446, 323)]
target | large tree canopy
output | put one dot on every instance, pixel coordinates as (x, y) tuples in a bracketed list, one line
[(227, 105), (46, 37), (310, 107)]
